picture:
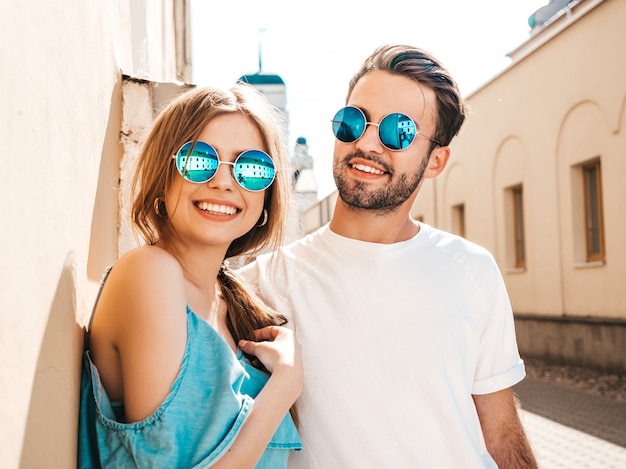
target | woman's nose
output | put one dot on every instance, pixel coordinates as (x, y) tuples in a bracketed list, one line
[(223, 178)]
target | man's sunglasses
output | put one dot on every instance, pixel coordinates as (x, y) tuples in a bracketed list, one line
[(396, 131), (198, 162)]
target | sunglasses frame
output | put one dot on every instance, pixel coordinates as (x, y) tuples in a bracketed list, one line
[(232, 164), (366, 123)]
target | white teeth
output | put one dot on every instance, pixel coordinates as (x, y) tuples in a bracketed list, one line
[(215, 208), (367, 169)]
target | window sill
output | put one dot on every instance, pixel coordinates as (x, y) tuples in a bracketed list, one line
[(515, 270), (589, 265)]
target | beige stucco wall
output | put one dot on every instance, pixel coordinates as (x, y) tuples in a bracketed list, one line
[(60, 118)]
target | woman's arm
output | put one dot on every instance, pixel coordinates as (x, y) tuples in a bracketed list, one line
[(139, 333), (279, 351)]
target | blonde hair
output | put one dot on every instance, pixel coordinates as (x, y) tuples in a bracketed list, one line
[(183, 120)]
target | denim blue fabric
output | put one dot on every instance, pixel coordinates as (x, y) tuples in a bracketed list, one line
[(196, 423)]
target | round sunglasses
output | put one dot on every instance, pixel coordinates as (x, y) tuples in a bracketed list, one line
[(396, 131), (198, 162)]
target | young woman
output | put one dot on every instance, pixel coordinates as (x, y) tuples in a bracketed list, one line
[(169, 379)]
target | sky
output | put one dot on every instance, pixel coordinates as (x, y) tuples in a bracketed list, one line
[(317, 46)]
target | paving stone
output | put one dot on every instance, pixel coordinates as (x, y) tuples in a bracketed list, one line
[(571, 428), (557, 446)]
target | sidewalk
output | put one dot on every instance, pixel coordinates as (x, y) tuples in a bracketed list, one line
[(572, 428)]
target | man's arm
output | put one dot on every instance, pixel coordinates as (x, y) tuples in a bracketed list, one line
[(502, 429)]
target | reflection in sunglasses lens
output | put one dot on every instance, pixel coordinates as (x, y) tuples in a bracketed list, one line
[(397, 131), (349, 124), (201, 165), (254, 170)]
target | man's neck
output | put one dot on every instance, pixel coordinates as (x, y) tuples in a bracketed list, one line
[(371, 226)]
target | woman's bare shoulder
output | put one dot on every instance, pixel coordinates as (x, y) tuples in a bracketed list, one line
[(144, 281), (146, 257)]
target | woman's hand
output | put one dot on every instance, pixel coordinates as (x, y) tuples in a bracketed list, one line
[(279, 351)]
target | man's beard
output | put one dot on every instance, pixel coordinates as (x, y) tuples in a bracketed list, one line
[(360, 195)]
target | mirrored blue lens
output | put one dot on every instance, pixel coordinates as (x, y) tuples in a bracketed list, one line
[(254, 170), (198, 164), (397, 131), (349, 124)]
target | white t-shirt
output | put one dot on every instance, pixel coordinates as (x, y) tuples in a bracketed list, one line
[(395, 340)]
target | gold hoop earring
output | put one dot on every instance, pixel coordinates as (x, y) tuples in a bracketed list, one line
[(159, 207), (265, 217)]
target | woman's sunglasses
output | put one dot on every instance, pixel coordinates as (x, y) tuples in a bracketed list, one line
[(396, 131), (198, 162)]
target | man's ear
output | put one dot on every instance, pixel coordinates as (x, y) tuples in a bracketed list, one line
[(437, 162)]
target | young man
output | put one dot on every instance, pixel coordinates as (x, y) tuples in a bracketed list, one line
[(408, 340)]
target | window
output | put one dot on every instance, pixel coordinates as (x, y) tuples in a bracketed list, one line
[(514, 239), (458, 219), (594, 230), (518, 227)]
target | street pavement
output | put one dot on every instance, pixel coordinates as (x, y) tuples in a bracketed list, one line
[(572, 428)]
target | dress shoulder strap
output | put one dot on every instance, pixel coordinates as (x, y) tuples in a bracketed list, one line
[(93, 311)]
